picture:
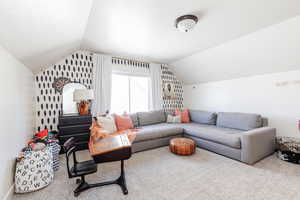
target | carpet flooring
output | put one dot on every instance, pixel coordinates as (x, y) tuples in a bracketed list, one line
[(159, 174)]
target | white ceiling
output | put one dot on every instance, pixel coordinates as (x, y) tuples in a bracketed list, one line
[(269, 50), (41, 32)]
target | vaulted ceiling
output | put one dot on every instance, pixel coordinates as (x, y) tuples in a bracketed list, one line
[(39, 33)]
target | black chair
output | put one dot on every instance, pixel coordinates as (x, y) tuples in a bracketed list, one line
[(79, 169)]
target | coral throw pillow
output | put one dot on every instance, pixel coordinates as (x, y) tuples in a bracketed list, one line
[(185, 117), (123, 122), (42, 134)]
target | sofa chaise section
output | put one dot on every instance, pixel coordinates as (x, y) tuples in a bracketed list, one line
[(240, 136)]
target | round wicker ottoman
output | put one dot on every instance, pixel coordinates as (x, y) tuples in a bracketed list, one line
[(182, 146)]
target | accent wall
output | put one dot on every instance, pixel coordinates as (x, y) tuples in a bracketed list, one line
[(78, 67)]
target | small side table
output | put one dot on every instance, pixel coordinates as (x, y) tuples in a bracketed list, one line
[(288, 149)]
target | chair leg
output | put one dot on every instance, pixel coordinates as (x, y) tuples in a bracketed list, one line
[(82, 187), (78, 181), (120, 181)]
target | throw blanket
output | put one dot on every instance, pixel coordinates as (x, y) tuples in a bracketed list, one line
[(98, 132)]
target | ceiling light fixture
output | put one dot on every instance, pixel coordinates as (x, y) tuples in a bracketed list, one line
[(186, 22)]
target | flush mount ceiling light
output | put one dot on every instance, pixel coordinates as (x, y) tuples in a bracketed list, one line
[(186, 22)]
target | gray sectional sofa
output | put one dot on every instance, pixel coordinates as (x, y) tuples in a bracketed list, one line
[(241, 136)]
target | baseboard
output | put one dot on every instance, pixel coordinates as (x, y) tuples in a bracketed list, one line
[(9, 193)]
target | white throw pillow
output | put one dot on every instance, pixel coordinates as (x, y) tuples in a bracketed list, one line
[(107, 123), (174, 119)]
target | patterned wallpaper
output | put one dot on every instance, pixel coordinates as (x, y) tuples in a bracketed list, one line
[(169, 105), (78, 67)]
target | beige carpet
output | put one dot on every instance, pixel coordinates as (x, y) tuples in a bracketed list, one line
[(158, 174)]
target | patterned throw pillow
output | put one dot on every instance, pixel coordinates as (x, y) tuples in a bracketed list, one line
[(107, 123), (174, 119)]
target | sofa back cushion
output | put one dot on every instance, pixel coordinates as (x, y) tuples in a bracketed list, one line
[(152, 117), (203, 117), (241, 121), (134, 119), (265, 122)]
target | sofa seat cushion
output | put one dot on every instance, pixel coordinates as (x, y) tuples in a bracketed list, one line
[(225, 136), (156, 131)]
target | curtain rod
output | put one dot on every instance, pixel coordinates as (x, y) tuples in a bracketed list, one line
[(114, 57)]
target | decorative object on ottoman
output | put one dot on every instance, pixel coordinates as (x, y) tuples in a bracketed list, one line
[(182, 146), (34, 171), (52, 135), (42, 134), (288, 149), (37, 146)]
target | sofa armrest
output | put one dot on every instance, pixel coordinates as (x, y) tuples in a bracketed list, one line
[(257, 144)]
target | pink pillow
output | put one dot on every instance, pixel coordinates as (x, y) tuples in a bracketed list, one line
[(123, 122), (185, 116)]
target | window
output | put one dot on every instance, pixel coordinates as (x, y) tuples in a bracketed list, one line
[(129, 94)]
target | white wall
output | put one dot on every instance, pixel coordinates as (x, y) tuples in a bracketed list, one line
[(16, 114), (276, 96)]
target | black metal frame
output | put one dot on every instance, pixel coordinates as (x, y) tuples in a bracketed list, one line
[(121, 181), (70, 148)]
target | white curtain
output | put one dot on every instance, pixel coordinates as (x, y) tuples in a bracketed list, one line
[(102, 74), (156, 99)]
